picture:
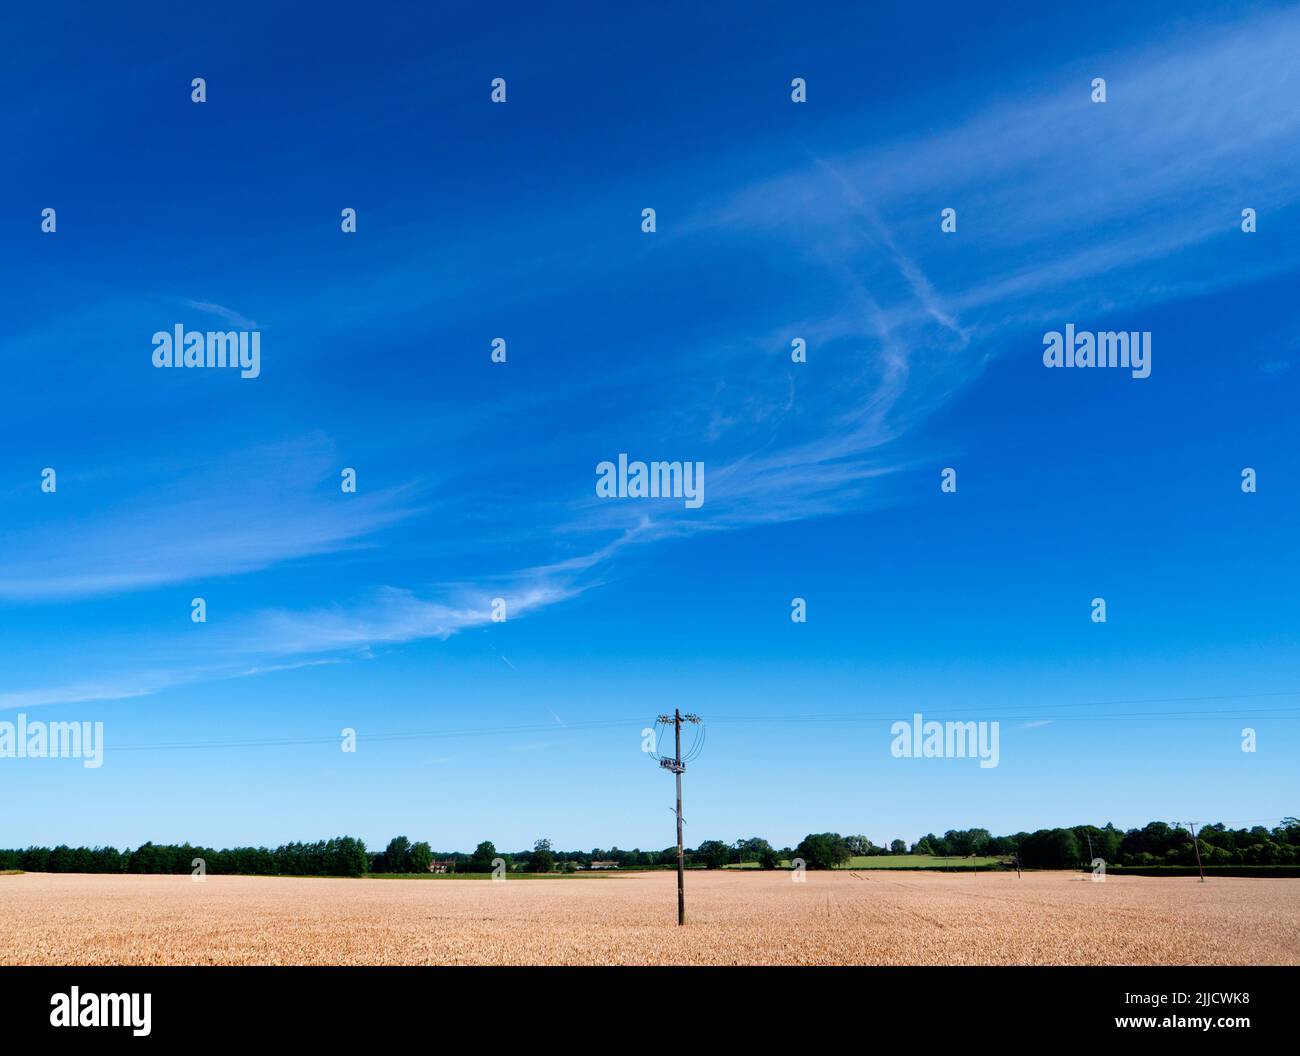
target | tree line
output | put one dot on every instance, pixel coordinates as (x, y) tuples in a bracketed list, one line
[(341, 856), (1157, 843)]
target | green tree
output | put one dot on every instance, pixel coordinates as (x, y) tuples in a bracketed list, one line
[(344, 856), (752, 849), (542, 860), (823, 850), (1105, 842), (858, 845), (1156, 838), (397, 855), (898, 847), (1051, 849), (481, 860), (713, 853), (420, 855)]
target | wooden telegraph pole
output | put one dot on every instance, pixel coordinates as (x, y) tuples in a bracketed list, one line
[(1197, 848), (676, 765), (681, 854)]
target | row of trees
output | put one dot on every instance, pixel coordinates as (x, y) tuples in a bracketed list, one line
[(402, 856), (342, 856), (1157, 843), (1154, 844)]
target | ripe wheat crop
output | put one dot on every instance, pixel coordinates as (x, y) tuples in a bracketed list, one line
[(733, 918)]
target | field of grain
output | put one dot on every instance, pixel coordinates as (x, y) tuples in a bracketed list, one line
[(734, 918)]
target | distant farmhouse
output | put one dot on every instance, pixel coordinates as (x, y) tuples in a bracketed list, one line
[(603, 865), (441, 865)]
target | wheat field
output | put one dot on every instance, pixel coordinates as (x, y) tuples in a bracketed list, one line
[(733, 918)]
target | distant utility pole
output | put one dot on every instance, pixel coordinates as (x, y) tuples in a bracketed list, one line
[(1197, 848), (676, 765)]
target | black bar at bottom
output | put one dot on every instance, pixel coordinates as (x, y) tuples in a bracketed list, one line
[(329, 1005)]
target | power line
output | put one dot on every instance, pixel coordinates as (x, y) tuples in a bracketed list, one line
[(1003, 708), (1283, 713), (697, 744), (409, 736), (948, 714)]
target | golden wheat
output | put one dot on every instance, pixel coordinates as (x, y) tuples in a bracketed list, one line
[(880, 917)]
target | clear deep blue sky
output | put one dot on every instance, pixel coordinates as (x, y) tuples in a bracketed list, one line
[(522, 221)]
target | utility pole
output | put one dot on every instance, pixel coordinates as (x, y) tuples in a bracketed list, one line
[(676, 765), (1197, 848)]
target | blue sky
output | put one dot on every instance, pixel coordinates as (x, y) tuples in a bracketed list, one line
[(775, 220)]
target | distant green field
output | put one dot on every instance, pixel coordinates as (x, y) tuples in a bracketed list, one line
[(899, 861)]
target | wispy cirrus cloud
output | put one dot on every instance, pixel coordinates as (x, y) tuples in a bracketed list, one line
[(252, 510), (1056, 190), (394, 615), (1071, 202), (1064, 206), (144, 683), (284, 639), (222, 312)]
